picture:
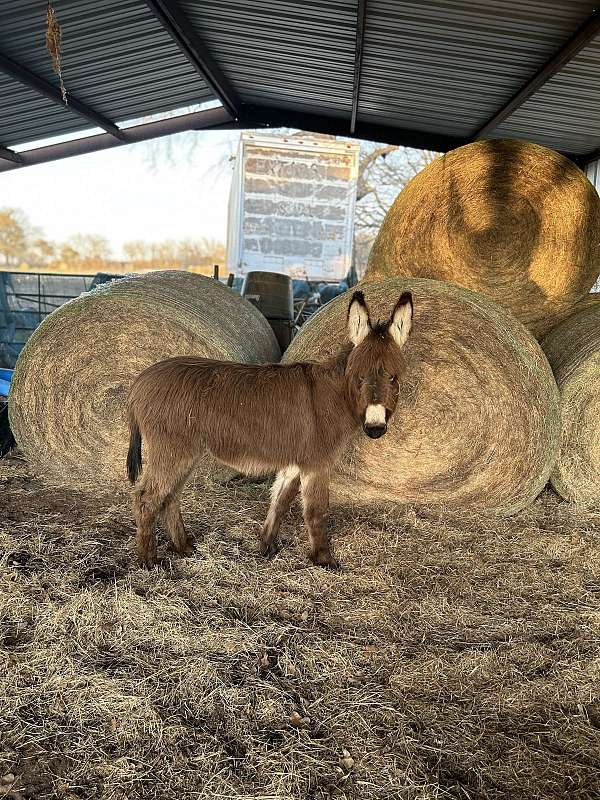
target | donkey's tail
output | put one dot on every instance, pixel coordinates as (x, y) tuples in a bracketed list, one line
[(134, 455)]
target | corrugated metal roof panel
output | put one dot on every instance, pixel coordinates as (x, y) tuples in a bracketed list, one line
[(116, 58), (564, 109), (449, 66), (296, 54), (31, 116)]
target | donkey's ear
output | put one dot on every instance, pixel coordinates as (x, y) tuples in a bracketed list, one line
[(359, 323), (401, 319)]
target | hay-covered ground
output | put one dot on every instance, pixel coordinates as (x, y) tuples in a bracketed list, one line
[(453, 657)]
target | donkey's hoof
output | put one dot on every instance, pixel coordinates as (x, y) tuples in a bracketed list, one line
[(325, 559), (147, 562), (269, 549), (185, 549)]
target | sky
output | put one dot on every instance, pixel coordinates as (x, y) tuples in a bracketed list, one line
[(118, 194)]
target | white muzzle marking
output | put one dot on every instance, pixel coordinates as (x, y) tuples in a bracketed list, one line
[(375, 415)]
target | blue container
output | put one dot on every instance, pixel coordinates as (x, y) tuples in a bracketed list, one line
[(5, 379)]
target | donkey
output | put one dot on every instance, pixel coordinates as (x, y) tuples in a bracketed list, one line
[(293, 419)]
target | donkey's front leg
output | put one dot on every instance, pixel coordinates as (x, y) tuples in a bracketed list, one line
[(283, 492), (315, 497)]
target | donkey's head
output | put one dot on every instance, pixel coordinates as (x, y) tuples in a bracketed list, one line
[(376, 363)]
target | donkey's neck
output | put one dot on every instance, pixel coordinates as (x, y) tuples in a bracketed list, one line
[(330, 396), (333, 371), (338, 361)]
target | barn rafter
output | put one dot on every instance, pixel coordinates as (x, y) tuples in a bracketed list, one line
[(360, 41), (582, 37), (46, 89), (196, 51)]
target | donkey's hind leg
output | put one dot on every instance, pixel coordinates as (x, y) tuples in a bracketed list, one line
[(315, 498), (172, 520), (162, 477), (283, 492), (147, 503)]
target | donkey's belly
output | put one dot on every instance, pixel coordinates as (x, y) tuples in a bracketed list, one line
[(247, 466), (242, 459)]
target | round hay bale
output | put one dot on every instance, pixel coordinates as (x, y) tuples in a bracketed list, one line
[(507, 218), (68, 395), (573, 350), (477, 424)]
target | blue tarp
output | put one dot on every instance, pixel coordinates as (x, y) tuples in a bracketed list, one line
[(330, 290), (5, 379)]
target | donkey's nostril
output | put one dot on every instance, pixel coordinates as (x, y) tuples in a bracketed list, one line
[(375, 431)]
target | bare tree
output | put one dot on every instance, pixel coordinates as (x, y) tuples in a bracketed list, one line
[(91, 247), (185, 148), (41, 251), (15, 233), (174, 254), (384, 170)]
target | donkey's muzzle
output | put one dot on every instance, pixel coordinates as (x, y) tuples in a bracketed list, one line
[(375, 431)]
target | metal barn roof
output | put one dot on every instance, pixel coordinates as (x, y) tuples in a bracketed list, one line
[(426, 74)]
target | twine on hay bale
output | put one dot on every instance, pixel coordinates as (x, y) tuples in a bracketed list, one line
[(507, 218), (68, 395), (573, 350), (477, 425)]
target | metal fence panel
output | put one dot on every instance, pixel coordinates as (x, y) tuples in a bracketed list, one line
[(26, 298)]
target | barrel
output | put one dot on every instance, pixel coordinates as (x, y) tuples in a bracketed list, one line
[(272, 293)]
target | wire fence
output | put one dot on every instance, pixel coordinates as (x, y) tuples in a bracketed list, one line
[(26, 298)]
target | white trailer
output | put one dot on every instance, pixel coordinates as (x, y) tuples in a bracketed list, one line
[(291, 206)]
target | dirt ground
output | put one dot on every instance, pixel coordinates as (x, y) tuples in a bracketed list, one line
[(452, 657)]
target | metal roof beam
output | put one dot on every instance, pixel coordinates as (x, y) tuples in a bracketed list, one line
[(271, 117), (41, 86), (195, 50), (10, 155), (216, 118), (582, 36), (360, 38), (266, 116)]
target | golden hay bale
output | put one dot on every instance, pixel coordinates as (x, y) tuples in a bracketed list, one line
[(67, 401), (477, 423), (573, 350), (507, 218)]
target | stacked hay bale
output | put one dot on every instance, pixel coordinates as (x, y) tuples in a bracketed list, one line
[(67, 400), (477, 424), (510, 219), (573, 350)]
